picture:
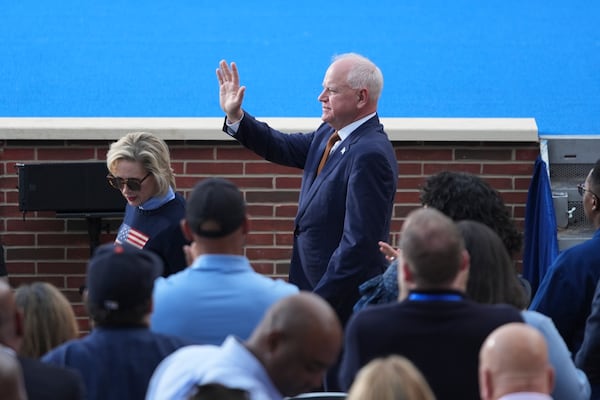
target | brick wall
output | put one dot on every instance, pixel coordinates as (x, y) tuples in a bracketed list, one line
[(44, 247)]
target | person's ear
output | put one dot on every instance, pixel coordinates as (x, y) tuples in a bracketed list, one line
[(407, 273), (363, 97), (273, 339), (403, 286), (187, 231), (462, 277), (485, 384), (466, 261), (551, 377), (273, 342)]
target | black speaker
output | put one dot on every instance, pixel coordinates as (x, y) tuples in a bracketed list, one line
[(72, 187)]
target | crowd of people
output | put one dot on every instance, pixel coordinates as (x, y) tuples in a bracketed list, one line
[(178, 312)]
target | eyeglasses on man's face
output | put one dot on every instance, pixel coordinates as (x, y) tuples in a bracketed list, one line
[(582, 189), (132, 183)]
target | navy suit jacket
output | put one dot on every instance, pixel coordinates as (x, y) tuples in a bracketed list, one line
[(588, 356), (342, 213), (567, 290), (442, 338)]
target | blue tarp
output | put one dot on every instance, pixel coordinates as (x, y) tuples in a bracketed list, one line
[(157, 58), (541, 243)]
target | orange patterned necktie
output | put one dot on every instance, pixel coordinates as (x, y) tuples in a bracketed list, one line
[(332, 140)]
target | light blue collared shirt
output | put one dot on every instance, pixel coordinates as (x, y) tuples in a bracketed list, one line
[(215, 289), (231, 365), (155, 202)]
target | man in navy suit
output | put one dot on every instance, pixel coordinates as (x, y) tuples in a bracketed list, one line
[(344, 208)]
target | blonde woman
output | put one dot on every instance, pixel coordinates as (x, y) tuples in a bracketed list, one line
[(49, 319), (390, 378), (140, 168)]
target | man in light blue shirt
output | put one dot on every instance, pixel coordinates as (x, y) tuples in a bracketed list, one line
[(287, 354), (220, 294)]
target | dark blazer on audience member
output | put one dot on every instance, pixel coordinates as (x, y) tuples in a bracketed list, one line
[(442, 338), (49, 382), (588, 356)]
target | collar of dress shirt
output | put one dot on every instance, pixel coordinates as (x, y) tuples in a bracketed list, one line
[(348, 129), (155, 202)]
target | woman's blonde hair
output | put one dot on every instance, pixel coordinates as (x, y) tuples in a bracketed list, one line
[(49, 319), (149, 150), (390, 378)]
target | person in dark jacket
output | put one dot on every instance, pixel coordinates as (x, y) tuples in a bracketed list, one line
[(118, 357), (436, 327), (567, 289), (588, 356)]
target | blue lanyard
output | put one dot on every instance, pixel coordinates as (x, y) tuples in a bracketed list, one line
[(434, 297)]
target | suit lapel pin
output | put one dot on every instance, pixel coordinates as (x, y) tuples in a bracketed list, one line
[(343, 150)]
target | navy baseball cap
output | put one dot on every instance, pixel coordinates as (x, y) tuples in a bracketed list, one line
[(121, 277), (215, 208)]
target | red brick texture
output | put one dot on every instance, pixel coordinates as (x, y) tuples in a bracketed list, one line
[(40, 246)]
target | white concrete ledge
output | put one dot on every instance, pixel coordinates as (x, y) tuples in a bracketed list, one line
[(398, 129)]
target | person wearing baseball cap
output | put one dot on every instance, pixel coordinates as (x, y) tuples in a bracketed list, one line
[(219, 294), (117, 358)]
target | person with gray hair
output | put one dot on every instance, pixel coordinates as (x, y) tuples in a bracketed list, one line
[(349, 177), (140, 168)]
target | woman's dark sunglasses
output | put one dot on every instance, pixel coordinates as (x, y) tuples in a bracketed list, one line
[(132, 183)]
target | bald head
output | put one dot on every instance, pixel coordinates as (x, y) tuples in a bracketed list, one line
[(432, 248), (297, 341), (304, 311), (514, 358)]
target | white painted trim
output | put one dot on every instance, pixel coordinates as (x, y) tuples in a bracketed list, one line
[(398, 129)]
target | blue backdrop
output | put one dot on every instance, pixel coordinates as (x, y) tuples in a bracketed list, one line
[(465, 58)]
